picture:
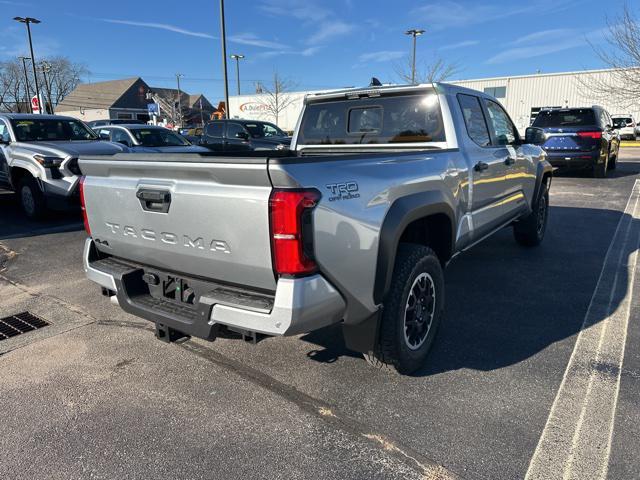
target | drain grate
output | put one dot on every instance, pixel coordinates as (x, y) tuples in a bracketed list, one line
[(19, 323)]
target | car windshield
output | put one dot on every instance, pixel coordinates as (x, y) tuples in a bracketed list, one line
[(621, 122), (158, 137), (577, 117), (264, 130), (51, 130)]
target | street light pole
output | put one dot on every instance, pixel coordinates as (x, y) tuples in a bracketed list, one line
[(223, 35), (178, 75), (415, 33), (45, 69), (26, 80), (237, 58), (28, 21)]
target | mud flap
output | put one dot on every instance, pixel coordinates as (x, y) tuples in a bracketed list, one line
[(362, 337)]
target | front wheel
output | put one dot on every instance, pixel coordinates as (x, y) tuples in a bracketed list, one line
[(412, 311), (31, 198), (530, 230)]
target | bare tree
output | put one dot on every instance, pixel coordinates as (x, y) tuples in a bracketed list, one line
[(62, 77), (622, 55), (437, 71), (277, 96)]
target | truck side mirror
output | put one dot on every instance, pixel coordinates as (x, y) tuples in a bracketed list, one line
[(535, 136)]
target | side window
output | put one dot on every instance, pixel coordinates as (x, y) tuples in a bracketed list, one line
[(474, 119), (118, 135), (4, 132), (503, 129), (214, 129), (233, 129)]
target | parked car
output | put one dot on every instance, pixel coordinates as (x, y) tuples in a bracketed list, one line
[(102, 123), (580, 138), (384, 186), (148, 138), (39, 159), (626, 126), (243, 136), (193, 134)]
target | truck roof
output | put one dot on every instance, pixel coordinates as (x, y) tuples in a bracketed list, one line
[(386, 89)]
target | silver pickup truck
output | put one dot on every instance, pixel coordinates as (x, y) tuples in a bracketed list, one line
[(39, 159), (383, 186)]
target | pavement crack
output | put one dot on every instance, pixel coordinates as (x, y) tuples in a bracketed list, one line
[(429, 469)]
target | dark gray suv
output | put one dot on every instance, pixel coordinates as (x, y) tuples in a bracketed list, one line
[(243, 136)]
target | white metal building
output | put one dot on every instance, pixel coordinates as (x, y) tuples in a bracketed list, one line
[(523, 97)]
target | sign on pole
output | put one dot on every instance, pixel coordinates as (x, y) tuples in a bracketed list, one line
[(35, 104), (153, 108)]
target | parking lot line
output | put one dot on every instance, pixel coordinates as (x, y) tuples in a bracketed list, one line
[(576, 440)]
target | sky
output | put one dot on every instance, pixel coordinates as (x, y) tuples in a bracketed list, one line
[(314, 44)]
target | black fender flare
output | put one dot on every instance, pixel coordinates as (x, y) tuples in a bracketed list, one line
[(402, 212), (544, 169)]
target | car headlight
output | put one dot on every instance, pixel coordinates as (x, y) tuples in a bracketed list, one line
[(48, 162)]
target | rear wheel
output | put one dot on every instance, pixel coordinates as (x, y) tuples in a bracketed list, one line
[(530, 231), (613, 163), (31, 198), (600, 169), (412, 311)]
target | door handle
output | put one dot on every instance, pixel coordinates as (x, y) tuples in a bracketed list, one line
[(481, 166), (510, 161)]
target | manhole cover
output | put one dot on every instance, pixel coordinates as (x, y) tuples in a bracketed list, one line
[(18, 324)]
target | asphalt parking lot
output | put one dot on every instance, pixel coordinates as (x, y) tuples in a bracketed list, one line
[(512, 388)]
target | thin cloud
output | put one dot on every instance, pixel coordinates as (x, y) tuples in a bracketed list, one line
[(466, 43), (329, 30), (307, 52), (301, 9), (545, 42), (254, 41), (381, 56), (443, 14), (159, 26)]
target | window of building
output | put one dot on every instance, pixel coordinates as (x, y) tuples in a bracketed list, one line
[(125, 116), (496, 92), (144, 117), (474, 119)]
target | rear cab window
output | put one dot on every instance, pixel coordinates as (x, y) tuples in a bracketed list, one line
[(394, 119)]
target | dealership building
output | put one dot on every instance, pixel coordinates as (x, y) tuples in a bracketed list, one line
[(523, 96)]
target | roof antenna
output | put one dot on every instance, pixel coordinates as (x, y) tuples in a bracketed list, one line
[(375, 82)]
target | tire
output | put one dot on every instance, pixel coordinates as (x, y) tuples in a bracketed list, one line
[(405, 338), (31, 199), (529, 231), (613, 163), (599, 170)]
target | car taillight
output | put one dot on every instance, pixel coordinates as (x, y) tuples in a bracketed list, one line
[(83, 207), (290, 214), (592, 135)]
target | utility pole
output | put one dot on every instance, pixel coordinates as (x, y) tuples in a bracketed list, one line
[(28, 21), (201, 116), (223, 36), (26, 80), (46, 68), (237, 58), (178, 75), (415, 33)]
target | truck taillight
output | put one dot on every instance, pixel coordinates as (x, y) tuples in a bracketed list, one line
[(592, 135), (290, 214), (83, 207)]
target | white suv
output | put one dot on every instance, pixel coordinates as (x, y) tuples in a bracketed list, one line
[(627, 126)]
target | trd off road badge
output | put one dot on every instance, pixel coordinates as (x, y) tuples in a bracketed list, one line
[(343, 191)]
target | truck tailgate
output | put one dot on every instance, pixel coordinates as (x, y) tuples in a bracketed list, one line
[(204, 216)]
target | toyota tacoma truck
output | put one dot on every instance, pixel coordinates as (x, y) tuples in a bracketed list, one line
[(39, 159), (383, 186)]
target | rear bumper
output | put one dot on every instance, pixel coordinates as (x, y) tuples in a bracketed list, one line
[(573, 159), (299, 305)]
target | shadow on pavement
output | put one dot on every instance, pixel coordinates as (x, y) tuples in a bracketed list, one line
[(14, 224), (506, 303)]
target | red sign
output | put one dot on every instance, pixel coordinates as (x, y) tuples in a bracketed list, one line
[(35, 104)]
